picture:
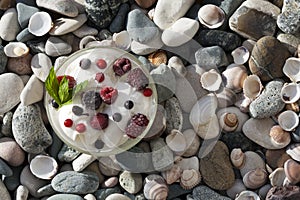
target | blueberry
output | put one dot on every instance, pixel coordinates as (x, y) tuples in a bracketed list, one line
[(128, 104), (77, 110), (117, 117), (54, 104)]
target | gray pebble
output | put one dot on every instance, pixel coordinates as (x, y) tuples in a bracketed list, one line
[(290, 41), (9, 25), (65, 197), (4, 194), (211, 57), (41, 65), (12, 182), (103, 193), (5, 169), (289, 19), (204, 192), (25, 35), (29, 130), (22, 193), (162, 156), (229, 6), (24, 13), (82, 161), (85, 30), (118, 23), (55, 146), (3, 60), (6, 128), (175, 190), (144, 49), (33, 91), (46, 190), (67, 154), (108, 166), (64, 7), (57, 47)]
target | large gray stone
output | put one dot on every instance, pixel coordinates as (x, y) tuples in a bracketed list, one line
[(24, 13), (289, 19), (64, 7), (211, 57)]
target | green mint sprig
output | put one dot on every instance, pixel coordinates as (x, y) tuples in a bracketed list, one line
[(60, 91)]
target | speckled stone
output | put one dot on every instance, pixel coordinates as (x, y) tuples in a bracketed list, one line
[(211, 57), (3, 60), (174, 115), (289, 19), (216, 169), (118, 23), (67, 154), (283, 193), (269, 103), (20, 65), (29, 130), (204, 192), (75, 182), (63, 7), (65, 196), (161, 150), (267, 58), (131, 182)]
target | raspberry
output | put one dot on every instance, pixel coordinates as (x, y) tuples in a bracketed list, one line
[(71, 80), (99, 77), (147, 92), (137, 79), (101, 63), (91, 100), (99, 121), (121, 66), (80, 128), (137, 125), (108, 95)]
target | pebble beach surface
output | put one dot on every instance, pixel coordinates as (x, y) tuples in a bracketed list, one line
[(227, 121)]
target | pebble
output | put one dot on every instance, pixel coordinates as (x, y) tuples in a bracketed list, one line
[(188, 163), (290, 41), (6, 128), (5, 169), (22, 193), (229, 7), (89, 197), (183, 30), (118, 23), (145, 3), (63, 26), (228, 41), (269, 103), (280, 192), (63, 7), (57, 47), (24, 13), (65, 196), (103, 193), (193, 76), (20, 65), (75, 182), (211, 57), (165, 82), (140, 27), (94, 167), (110, 182), (204, 192), (174, 115), (255, 19), (267, 58), (33, 91), (67, 154), (145, 49), (41, 65), (82, 161), (161, 150), (175, 190), (10, 98), (288, 20), (164, 17), (37, 46), (85, 30), (216, 169), (12, 182), (34, 138), (4, 192), (25, 35), (9, 25), (117, 197), (108, 166), (131, 182), (46, 190), (3, 60), (293, 151)]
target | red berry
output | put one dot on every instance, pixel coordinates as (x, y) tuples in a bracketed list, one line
[(68, 123), (108, 95), (99, 77), (121, 66), (99, 121), (71, 80), (147, 92), (80, 128), (101, 63)]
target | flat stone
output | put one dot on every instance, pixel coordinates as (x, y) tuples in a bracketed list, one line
[(82, 161), (5, 169), (269, 103), (168, 12), (63, 7), (255, 19), (145, 3), (94, 167), (280, 192), (41, 65), (25, 35), (179, 33), (75, 182), (29, 130), (9, 25), (289, 18), (20, 65), (57, 47), (211, 57), (84, 31), (4, 192), (65, 196), (24, 13), (33, 91), (204, 192), (63, 26), (162, 155), (3, 60), (118, 23), (131, 182), (174, 115), (10, 98)]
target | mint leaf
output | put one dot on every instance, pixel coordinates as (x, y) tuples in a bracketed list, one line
[(80, 87), (63, 91), (52, 86)]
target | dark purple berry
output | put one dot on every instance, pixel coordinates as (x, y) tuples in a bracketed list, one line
[(77, 110), (54, 104), (117, 117), (128, 105), (91, 100), (137, 79)]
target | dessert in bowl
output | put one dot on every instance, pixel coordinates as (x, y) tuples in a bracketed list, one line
[(101, 101)]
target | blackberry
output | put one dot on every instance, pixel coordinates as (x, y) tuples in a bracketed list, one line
[(91, 100), (140, 119), (137, 79), (137, 125), (121, 66), (99, 121)]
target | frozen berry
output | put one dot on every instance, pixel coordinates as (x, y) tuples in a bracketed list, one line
[(68, 123), (99, 77), (71, 80), (99, 121), (101, 63), (54, 104), (77, 110), (85, 63), (137, 79), (117, 117), (91, 100), (108, 94), (137, 125), (99, 144), (128, 104), (121, 66), (80, 128), (147, 92)]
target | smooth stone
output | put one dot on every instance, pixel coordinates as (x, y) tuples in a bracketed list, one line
[(183, 30), (283, 193), (131, 182), (168, 12), (67, 154), (63, 7), (80, 5), (41, 65), (145, 49), (85, 30), (165, 82), (176, 63), (145, 3), (140, 27), (57, 47), (174, 115), (10, 98), (37, 46), (30, 181), (193, 11), (288, 20), (204, 192), (290, 41), (267, 58), (293, 151), (9, 25), (6, 128), (103, 193), (24, 13), (75, 182), (29, 130), (229, 6), (20, 65), (118, 23), (101, 13), (3, 60), (4, 192), (5, 169), (117, 197), (94, 167), (228, 41), (27, 2), (89, 197), (33, 91), (109, 166), (211, 57), (63, 26), (110, 182), (193, 76), (238, 140), (175, 190), (269, 103), (216, 169), (65, 197), (46, 190), (22, 193), (25, 35), (161, 150), (254, 19), (82, 161), (12, 182)]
